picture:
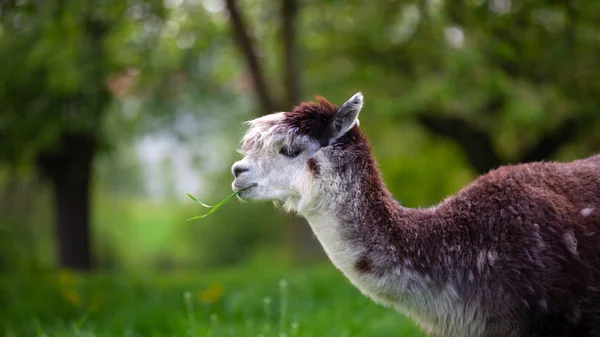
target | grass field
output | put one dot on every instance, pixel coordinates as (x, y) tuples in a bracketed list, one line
[(250, 301)]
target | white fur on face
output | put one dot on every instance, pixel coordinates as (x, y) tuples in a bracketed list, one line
[(270, 175), (276, 177)]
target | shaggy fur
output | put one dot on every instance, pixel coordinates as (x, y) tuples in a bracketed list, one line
[(515, 253)]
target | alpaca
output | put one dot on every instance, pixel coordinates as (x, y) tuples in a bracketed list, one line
[(514, 253)]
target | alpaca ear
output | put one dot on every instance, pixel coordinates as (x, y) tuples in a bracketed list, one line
[(347, 115)]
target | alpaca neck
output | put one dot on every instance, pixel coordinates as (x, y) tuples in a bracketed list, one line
[(386, 250), (360, 226), (408, 259)]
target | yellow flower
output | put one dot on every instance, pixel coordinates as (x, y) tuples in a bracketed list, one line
[(211, 294), (66, 277), (72, 297)]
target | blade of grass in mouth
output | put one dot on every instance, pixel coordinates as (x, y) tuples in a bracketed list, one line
[(215, 207)]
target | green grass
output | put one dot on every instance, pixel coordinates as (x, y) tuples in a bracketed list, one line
[(212, 208), (250, 301)]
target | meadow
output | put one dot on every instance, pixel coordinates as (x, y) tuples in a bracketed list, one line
[(143, 101), (241, 301)]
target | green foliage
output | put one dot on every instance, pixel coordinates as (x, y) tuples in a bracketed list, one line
[(246, 301), (517, 76), (133, 233), (126, 70), (174, 68), (55, 60), (25, 217)]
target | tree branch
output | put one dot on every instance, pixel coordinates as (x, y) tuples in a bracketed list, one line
[(246, 45), (303, 243), (552, 142), (291, 80), (477, 144), (479, 147)]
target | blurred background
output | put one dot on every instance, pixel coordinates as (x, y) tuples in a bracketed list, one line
[(112, 110)]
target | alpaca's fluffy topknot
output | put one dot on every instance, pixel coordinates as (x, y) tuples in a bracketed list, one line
[(307, 120), (313, 119)]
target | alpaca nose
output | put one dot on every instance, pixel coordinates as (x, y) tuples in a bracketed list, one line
[(238, 169)]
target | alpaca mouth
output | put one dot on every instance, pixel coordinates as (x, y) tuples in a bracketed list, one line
[(242, 190)]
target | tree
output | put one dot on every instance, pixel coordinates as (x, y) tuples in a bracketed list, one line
[(505, 81), (304, 244), (55, 61), (539, 47), (508, 82)]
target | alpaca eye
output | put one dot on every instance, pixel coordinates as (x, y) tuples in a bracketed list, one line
[(290, 152)]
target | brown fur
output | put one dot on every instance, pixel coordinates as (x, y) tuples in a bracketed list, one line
[(514, 240), (313, 119), (313, 167)]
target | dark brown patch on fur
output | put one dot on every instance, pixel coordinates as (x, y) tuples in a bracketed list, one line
[(313, 119), (313, 166), (364, 265)]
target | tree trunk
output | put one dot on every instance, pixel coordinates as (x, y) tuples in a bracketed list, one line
[(305, 246), (291, 70), (69, 169), (248, 51)]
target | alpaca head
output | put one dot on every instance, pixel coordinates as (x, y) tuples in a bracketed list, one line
[(279, 149)]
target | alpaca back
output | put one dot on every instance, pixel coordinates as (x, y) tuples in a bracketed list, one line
[(533, 232)]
